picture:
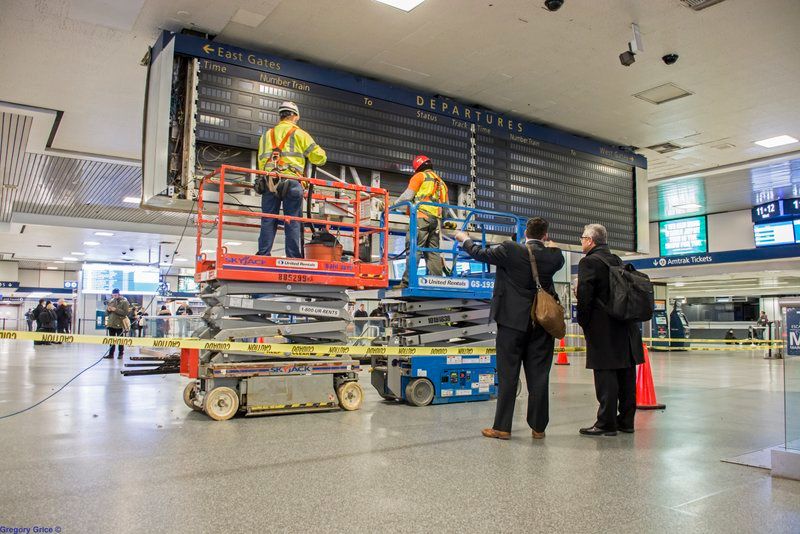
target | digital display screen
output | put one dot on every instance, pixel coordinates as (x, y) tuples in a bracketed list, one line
[(186, 284), (775, 233), (129, 279), (792, 207), (683, 236), (766, 212)]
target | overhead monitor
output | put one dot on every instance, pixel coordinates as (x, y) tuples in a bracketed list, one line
[(102, 278), (683, 236), (775, 233), (186, 284)]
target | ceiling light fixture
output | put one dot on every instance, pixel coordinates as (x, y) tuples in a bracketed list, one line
[(404, 5), (69, 258), (91, 243), (78, 253), (104, 234), (131, 200), (773, 142), (51, 268), (181, 259)]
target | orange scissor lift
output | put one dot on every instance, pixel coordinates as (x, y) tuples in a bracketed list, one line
[(293, 300)]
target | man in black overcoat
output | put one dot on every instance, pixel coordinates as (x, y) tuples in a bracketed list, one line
[(613, 348), (519, 342)]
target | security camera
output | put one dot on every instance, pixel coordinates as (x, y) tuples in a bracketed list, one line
[(627, 58), (670, 59), (131, 249), (553, 5), (124, 252)]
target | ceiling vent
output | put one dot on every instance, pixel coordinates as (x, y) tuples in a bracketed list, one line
[(699, 5), (663, 93), (723, 146), (665, 148)]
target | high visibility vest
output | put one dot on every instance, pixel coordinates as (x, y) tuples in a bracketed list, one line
[(433, 189), (278, 150)]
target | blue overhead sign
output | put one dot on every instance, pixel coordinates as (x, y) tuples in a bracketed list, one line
[(728, 256), (9, 285), (512, 127)]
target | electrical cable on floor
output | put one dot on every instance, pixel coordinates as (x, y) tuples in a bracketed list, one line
[(53, 394)]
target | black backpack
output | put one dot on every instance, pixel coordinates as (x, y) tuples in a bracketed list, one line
[(631, 296)]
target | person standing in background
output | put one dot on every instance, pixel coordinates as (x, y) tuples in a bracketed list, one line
[(29, 319), (762, 323), (63, 317), (360, 315), (117, 310)]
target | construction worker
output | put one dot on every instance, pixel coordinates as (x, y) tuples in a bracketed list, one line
[(425, 186), (284, 148)]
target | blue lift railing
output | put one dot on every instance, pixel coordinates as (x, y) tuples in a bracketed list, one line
[(452, 284)]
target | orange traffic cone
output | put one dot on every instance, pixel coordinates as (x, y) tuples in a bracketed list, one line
[(562, 354), (645, 390)]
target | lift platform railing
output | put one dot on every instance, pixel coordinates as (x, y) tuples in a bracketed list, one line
[(479, 223), (348, 204)]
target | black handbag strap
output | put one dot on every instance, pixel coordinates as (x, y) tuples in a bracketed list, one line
[(534, 268)]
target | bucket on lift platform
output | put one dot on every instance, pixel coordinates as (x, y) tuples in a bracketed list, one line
[(324, 247)]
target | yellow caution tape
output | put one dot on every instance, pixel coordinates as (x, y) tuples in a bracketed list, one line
[(765, 342), (277, 349)]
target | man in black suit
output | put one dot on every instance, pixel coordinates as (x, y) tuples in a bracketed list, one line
[(613, 348), (519, 342)]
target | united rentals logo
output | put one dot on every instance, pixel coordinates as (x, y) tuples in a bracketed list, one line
[(299, 264), (443, 282)]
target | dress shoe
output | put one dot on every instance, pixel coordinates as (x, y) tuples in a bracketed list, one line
[(497, 434), (537, 435), (119, 357), (594, 431), (108, 357), (626, 430)]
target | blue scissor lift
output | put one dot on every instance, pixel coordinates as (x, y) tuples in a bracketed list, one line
[(449, 311)]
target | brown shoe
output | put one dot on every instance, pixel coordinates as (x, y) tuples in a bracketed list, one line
[(537, 435), (492, 433)]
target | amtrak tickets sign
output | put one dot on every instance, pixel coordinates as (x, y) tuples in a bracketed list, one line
[(728, 256)]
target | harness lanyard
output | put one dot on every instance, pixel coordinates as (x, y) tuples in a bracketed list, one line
[(279, 147)]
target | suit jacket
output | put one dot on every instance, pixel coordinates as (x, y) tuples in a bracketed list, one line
[(514, 288), (610, 344)]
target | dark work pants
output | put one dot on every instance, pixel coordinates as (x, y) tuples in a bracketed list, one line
[(616, 393), (532, 350), (116, 332)]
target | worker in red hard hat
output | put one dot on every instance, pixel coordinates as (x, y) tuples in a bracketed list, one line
[(425, 186)]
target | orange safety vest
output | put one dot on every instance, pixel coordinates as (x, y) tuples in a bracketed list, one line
[(433, 189)]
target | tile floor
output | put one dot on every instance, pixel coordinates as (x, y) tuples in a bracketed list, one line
[(114, 454)]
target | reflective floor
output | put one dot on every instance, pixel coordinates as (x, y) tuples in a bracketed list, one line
[(124, 454)]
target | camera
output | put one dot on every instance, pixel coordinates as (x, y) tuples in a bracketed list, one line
[(553, 5), (670, 59), (627, 58)]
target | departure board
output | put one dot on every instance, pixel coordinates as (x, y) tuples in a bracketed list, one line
[(533, 179), (236, 105), (515, 166)]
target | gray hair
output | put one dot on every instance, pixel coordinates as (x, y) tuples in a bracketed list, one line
[(597, 232)]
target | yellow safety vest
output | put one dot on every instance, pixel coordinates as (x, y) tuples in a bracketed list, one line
[(433, 189), (294, 145)]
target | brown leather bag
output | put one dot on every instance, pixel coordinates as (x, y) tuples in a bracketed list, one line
[(546, 310)]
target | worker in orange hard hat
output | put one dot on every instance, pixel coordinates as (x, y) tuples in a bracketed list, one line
[(425, 186)]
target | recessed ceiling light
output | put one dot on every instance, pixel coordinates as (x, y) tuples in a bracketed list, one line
[(69, 258), (78, 253), (131, 200), (208, 251), (91, 243), (104, 234), (181, 259), (232, 243), (405, 5), (780, 140), (51, 268), (58, 261)]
